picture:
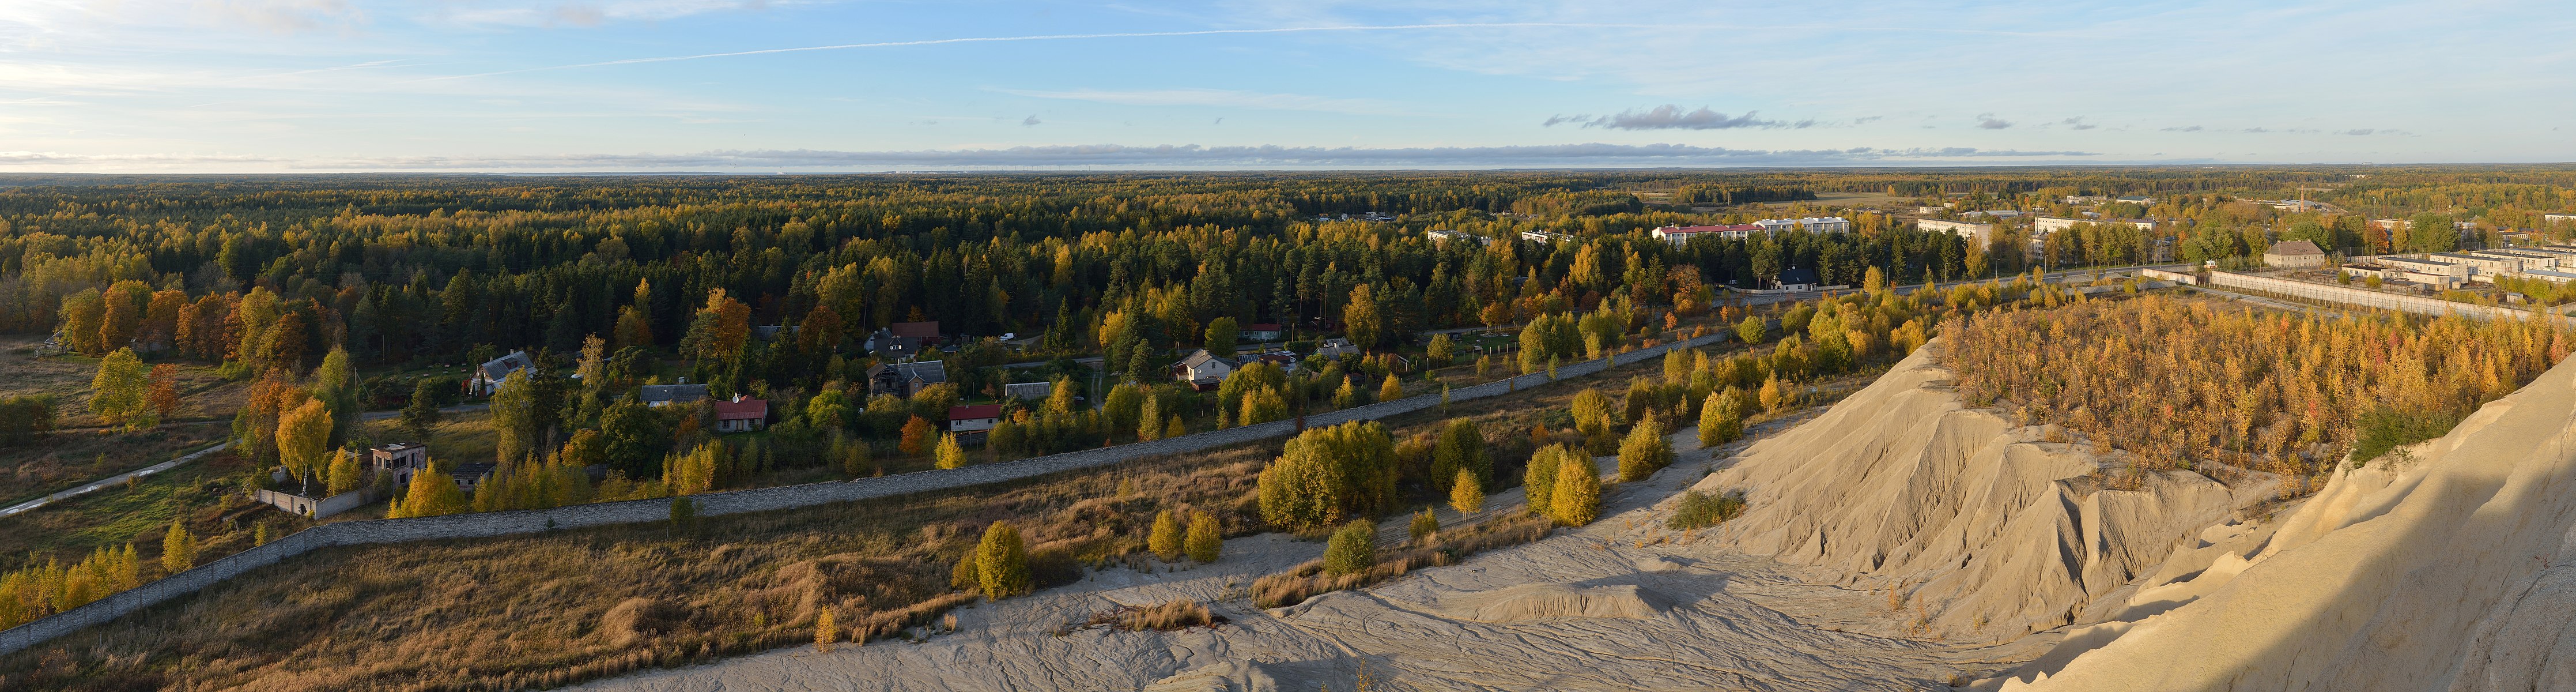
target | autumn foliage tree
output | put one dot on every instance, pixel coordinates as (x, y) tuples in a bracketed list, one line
[(1327, 474), (117, 393), (162, 395), (2181, 382)]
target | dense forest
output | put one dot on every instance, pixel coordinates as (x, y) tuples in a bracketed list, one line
[(401, 269)]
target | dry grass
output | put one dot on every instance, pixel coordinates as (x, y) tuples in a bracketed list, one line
[(204, 395), (1175, 614), (200, 493), (1307, 579), (68, 459)]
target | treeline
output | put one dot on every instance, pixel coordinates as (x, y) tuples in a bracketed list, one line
[(270, 276), (2275, 391), (1732, 194)]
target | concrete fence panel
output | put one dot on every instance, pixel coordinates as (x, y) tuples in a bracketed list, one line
[(2357, 297), (490, 524)]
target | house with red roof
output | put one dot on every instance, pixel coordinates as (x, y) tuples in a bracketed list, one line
[(977, 418), (741, 414)]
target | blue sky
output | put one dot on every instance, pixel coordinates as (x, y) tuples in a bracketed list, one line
[(815, 85)]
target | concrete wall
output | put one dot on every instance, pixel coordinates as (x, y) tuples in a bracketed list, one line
[(325, 507), (2175, 277), (754, 500), (2358, 297)]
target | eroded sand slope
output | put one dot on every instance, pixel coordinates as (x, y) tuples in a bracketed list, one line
[(1986, 531), (2453, 569)]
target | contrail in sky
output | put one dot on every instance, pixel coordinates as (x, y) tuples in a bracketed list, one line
[(1064, 37)]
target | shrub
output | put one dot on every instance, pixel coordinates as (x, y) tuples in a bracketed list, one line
[(1353, 549), (950, 454), (1465, 494), (1165, 540), (916, 436), (962, 577), (25, 418), (824, 632), (1539, 482), (1701, 510), (1645, 451), (1721, 418), (1002, 563), (1577, 498), (1206, 540), (2384, 428), (1424, 524), (1461, 448), (1326, 474), (1175, 614)]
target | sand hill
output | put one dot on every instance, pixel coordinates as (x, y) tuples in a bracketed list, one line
[(1985, 531), (2451, 566)]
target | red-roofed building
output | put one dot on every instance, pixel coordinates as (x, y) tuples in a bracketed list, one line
[(1679, 235), (928, 331), (741, 414), (1261, 332), (975, 418)]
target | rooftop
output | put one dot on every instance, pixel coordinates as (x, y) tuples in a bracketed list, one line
[(2295, 247)]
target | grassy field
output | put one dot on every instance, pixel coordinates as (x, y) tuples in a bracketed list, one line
[(555, 608), (68, 459), (81, 451), (205, 493)]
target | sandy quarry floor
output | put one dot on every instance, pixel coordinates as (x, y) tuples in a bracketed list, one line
[(1680, 613)]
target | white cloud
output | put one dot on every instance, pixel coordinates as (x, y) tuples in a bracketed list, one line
[(1672, 117), (1218, 98)]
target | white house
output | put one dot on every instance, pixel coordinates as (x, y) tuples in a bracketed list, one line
[(1335, 347), (741, 414), (1544, 237), (975, 418), (489, 376), (1202, 369)]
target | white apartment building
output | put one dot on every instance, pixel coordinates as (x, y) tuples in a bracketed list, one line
[(1973, 231)]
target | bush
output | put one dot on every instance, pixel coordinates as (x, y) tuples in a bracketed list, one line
[(1540, 479), (1002, 563), (2385, 428), (25, 418), (1645, 451), (962, 576), (1353, 549), (1326, 474), (1577, 498), (1165, 540), (1175, 614), (1701, 510), (1721, 418), (1206, 540), (1423, 525), (1461, 447), (1465, 494)]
